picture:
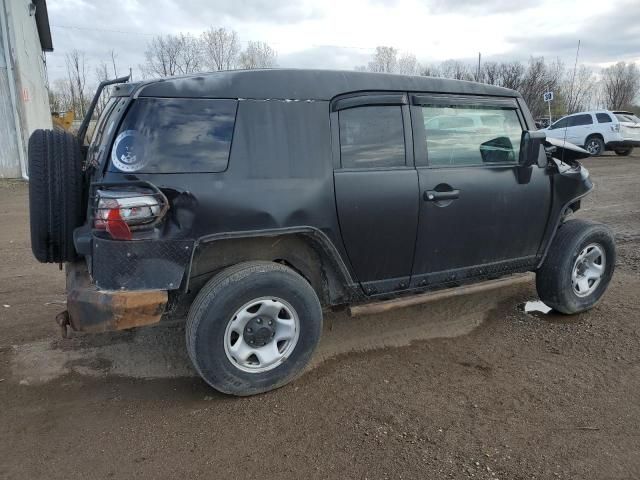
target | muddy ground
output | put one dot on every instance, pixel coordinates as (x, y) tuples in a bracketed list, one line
[(464, 388)]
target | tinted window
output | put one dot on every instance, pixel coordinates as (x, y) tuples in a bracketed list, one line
[(562, 123), (161, 135), (371, 137), (471, 135), (603, 118), (577, 120)]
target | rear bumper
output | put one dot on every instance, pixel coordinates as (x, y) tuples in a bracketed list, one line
[(94, 310), (623, 144)]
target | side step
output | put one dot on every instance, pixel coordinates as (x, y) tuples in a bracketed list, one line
[(427, 297)]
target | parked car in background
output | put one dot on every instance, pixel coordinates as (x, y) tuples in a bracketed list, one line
[(599, 131), (629, 128)]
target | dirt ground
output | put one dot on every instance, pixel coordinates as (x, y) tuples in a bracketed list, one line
[(464, 388)]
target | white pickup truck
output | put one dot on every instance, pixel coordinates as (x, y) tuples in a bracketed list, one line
[(599, 131)]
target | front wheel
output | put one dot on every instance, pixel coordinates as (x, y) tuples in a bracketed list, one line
[(578, 267), (253, 327)]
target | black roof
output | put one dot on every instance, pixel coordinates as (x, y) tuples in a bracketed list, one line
[(304, 85)]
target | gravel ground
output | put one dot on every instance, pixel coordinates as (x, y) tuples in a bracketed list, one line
[(465, 388)]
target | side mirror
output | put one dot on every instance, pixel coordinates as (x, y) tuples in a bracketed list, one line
[(530, 148)]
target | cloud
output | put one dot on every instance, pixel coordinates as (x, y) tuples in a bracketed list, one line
[(478, 6), (608, 37), (126, 26), (330, 57), (343, 34)]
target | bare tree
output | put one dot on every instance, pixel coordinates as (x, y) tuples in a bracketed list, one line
[(429, 70), (385, 60), (102, 74), (490, 73), (408, 65), (620, 85), (60, 96), (455, 69), (576, 91), (77, 76), (538, 79), (511, 75), (220, 48), (258, 55), (169, 55)]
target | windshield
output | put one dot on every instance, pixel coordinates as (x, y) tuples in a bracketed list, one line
[(627, 117)]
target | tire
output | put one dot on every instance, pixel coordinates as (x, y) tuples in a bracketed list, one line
[(222, 302), (55, 194), (554, 279), (623, 152), (594, 145)]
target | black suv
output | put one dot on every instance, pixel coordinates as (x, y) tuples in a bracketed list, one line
[(248, 201)]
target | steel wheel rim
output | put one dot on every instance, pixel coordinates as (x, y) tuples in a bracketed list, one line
[(251, 322), (593, 147), (588, 270)]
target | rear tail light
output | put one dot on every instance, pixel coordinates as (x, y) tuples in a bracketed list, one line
[(120, 212)]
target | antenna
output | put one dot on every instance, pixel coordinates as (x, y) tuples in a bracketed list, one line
[(573, 79)]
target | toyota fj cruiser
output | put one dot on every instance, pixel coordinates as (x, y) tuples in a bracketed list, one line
[(248, 201)]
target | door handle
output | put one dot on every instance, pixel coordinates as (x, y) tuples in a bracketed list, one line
[(433, 196)]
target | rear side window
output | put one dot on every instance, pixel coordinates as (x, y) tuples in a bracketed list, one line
[(603, 118), (579, 120), (371, 137), (163, 135), (471, 135)]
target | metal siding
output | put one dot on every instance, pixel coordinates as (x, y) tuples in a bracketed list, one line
[(9, 165)]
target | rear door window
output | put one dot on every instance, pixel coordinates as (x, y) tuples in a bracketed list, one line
[(372, 137), (603, 118), (579, 120), (164, 135)]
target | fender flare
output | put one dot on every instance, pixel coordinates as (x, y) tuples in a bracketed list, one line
[(324, 245)]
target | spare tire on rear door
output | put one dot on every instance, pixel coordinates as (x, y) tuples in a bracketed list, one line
[(55, 194)]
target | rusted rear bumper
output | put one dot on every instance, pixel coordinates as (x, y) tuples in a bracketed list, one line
[(94, 310)]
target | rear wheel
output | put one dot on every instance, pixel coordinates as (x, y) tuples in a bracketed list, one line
[(253, 328), (578, 267), (623, 152), (594, 145)]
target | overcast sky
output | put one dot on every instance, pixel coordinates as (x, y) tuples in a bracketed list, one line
[(344, 33)]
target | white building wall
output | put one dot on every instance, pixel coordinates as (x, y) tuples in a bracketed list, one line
[(31, 96)]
